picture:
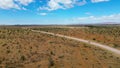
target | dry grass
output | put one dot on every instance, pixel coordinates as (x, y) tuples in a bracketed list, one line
[(22, 48), (109, 35)]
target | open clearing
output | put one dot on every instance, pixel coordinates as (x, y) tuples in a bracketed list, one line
[(23, 48)]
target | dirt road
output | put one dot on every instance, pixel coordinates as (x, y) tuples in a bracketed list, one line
[(115, 51)]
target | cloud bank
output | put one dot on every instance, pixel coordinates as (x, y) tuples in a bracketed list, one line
[(96, 1), (24, 2), (7, 4), (50, 5), (61, 4), (94, 19), (14, 4)]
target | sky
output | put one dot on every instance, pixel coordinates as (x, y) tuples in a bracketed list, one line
[(46, 12)]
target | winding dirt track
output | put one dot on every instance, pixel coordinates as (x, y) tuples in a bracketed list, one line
[(115, 51)]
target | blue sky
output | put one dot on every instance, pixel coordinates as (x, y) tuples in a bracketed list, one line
[(59, 11)]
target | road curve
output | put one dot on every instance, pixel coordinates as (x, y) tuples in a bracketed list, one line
[(116, 51)]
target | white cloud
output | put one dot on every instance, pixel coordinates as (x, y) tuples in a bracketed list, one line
[(7, 4), (50, 6), (42, 14), (94, 19), (53, 5), (24, 2), (96, 1), (61, 4), (23, 8), (81, 3)]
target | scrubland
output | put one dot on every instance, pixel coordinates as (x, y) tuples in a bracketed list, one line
[(22, 48), (109, 35)]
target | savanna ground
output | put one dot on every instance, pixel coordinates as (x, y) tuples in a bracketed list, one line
[(109, 35), (22, 48)]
